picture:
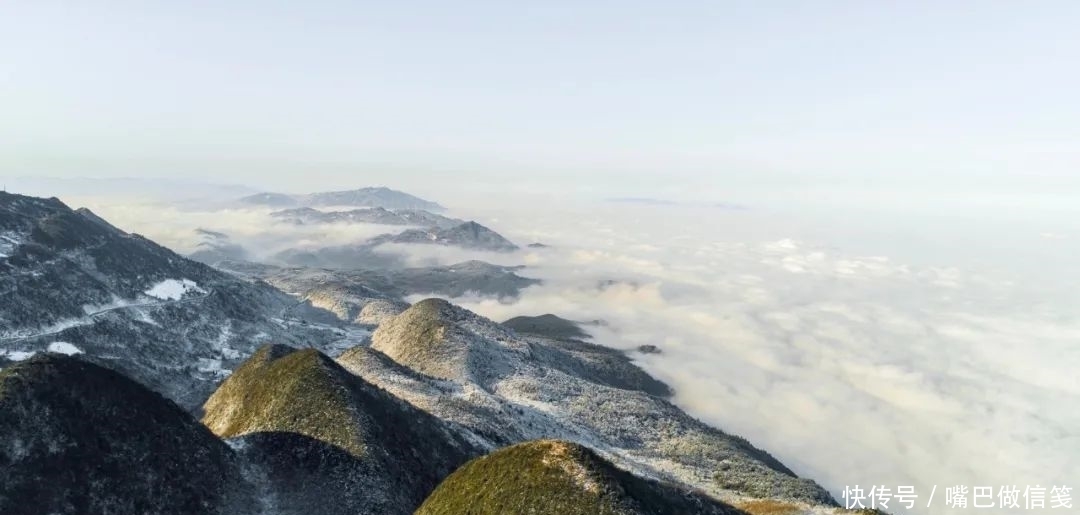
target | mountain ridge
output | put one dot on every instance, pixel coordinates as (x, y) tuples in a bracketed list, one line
[(362, 197)]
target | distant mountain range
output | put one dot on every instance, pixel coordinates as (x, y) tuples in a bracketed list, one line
[(347, 291), (363, 197), (368, 255), (374, 215)]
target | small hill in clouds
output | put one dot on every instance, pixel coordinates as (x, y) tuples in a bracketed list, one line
[(369, 255), (547, 325), (79, 438), (363, 197), (214, 247), (468, 235), (549, 476)]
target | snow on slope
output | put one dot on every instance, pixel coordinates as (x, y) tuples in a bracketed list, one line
[(64, 348), (174, 289), (509, 388)]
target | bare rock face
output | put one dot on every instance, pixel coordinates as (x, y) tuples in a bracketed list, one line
[(79, 438)]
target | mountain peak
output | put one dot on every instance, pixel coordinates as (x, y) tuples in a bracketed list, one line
[(316, 429), (439, 339), (260, 394), (554, 476), (470, 235)]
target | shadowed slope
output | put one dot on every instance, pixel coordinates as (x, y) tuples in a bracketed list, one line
[(79, 438)]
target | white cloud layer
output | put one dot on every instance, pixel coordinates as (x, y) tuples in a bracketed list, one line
[(254, 229), (852, 369)]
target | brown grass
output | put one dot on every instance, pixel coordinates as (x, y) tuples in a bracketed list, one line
[(768, 507)]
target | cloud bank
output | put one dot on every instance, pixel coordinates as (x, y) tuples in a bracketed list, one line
[(851, 368)]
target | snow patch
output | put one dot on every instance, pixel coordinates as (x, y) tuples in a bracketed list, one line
[(174, 289), (18, 355), (64, 348)]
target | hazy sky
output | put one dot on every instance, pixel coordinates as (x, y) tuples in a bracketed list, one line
[(683, 98)]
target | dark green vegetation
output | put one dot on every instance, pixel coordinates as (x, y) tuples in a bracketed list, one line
[(546, 325), (282, 389), (317, 431), (79, 438), (555, 477)]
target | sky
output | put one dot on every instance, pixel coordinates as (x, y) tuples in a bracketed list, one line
[(683, 99)]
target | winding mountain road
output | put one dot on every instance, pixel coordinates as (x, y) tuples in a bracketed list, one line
[(89, 318)]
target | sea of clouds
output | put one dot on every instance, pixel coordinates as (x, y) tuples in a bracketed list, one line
[(955, 363), (859, 347)]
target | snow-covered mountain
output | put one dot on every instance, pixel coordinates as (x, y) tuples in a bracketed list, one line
[(173, 324), (469, 277), (508, 388)]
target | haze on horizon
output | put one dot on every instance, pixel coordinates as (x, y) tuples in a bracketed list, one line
[(686, 100)]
